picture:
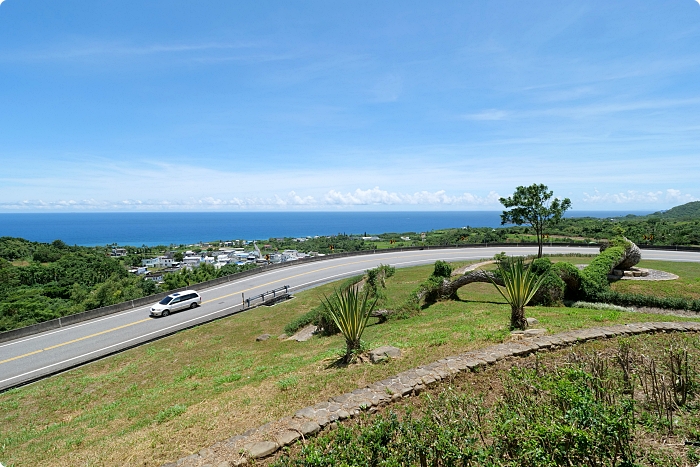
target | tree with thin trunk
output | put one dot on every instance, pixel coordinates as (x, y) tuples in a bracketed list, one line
[(533, 205)]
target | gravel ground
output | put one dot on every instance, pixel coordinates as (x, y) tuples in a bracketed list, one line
[(654, 275), (662, 311)]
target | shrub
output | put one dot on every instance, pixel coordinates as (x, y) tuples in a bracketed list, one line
[(430, 289), (559, 420), (571, 276), (300, 321), (594, 278), (442, 269), (541, 421), (376, 280), (317, 316), (502, 256), (629, 299), (324, 321), (551, 291)]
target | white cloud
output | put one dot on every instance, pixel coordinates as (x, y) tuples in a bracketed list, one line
[(377, 196), (333, 198), (632, 196)]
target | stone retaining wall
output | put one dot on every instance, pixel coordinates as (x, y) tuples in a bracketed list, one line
[(267, 439)]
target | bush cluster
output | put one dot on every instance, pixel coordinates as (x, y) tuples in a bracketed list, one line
[(375, 280), (571, 276), (442, 269), (630, 299), (594, 278), (548, 420), (590, 408), (551, 292)]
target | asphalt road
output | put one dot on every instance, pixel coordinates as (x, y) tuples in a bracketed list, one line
[(32, 358)]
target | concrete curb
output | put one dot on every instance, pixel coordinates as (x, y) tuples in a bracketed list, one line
[(267, 439)]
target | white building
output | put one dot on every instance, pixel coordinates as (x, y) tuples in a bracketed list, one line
[(159, 262), (192, 261), (118, 251)]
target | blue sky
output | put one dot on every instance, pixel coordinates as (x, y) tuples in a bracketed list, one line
[(220, 105)]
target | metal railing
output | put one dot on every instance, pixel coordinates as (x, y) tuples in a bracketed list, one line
[(275, 293)]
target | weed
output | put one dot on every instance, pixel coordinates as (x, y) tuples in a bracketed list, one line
[(189, 372), (287, 383), (170, 413), (233, 377)]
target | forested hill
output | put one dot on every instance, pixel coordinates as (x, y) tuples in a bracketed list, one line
[(42, 281), (688, 211)]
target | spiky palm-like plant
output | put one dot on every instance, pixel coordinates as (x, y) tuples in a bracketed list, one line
[(520, 285), (350, 310)]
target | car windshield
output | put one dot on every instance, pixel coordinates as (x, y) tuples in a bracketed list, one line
[(165, 301)]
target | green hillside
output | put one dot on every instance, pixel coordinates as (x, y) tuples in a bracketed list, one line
[(684, 211)]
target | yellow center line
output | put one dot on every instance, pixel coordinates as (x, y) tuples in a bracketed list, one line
[(20, 356), (73, 341), (208, 301)]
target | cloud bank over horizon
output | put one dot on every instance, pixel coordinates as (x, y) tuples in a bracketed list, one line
[(336, 200)]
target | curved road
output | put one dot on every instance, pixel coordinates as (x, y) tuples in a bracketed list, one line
[(31, 358)]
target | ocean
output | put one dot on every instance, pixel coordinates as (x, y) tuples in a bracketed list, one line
[(166, 228)]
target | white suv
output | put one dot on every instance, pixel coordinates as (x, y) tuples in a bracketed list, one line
[(175, 302)]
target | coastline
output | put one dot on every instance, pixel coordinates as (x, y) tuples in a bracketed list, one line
[(176, 228)]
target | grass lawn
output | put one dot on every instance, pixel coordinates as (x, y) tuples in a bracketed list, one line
[(161, 401), (687, 285)]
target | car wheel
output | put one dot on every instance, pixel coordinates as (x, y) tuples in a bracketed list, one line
[(165, 313), (193, 306)]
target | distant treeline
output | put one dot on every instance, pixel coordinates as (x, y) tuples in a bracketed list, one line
[(647, 230)]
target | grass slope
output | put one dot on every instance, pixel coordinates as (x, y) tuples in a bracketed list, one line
[(162, 401)]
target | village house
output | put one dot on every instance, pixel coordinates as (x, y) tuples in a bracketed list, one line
[(158, 262)]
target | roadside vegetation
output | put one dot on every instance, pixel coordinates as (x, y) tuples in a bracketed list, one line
[(43, 281), (625, 402), (167, 399), (40, 281)]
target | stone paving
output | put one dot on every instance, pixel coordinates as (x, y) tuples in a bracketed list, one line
[(267, 439)]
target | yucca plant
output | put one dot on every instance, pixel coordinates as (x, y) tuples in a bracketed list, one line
[(520, 285), (350, 310)]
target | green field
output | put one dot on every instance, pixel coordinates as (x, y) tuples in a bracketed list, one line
[(165, 400)]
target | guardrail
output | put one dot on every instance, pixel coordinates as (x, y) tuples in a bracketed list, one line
[(131, 304), (275, 295)]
